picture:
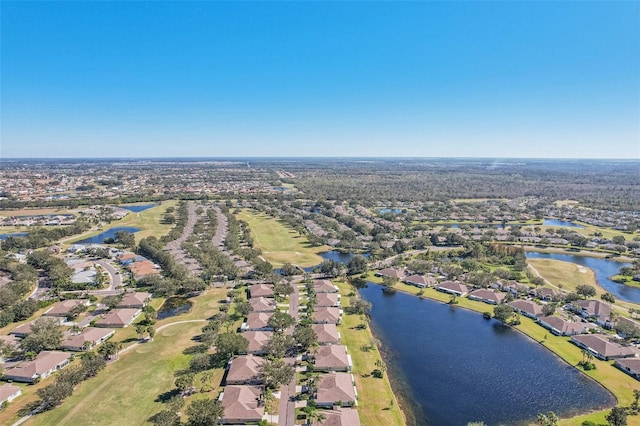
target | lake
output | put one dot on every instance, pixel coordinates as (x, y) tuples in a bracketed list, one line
[(337, 256), (603, 269), (15, 234), (557, 222), (389, 210), (138, 207), (174, 306), (111, 233), (453, 367)]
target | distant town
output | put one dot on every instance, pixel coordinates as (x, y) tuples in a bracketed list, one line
[(269, 291)]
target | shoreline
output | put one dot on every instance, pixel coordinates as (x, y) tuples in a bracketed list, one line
[(575, 417)]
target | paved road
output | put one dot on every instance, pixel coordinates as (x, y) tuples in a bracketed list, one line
[(287, 412), (115, 278)]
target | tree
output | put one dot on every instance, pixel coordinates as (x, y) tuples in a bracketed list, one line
[(314, 416), (110, 349), (204, 412), (54, 393), (112, 301), (288, 270), (276, 373), (617, 416), (608, 297), (548, 309), (165, 417), (305, 336), (359, 306), (92, 364), (45, 336), (281, 321), (230, 344), (357, 265), (586, 290), (184, 382), (279, 345), (125, 238), (503, 313), (548, 419), (282, 289)]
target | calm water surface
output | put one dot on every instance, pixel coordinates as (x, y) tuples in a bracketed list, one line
[(138, 208), (15, 234), (556, 222), (111, 233), (454, 367), (603, 269)]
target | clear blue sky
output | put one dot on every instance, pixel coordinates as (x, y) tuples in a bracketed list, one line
[(451, 78)]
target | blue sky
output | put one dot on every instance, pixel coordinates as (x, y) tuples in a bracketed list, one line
[(451, 78)]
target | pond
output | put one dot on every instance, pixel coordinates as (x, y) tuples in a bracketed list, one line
[(452, 367), (15, 234), (557, 222), (389, 210), (137, 208), (478, 225), (111, 233), (174, 306), (338, 256), (603, 269)]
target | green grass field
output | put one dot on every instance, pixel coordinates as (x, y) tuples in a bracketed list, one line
[(568, 275), (279, 243), (377, 404)]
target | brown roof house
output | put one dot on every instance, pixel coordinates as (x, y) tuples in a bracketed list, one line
[(45, 364), (25, 329), (245, 370), (262, 304), (603, 348), (324, 286), (527, 308), (261, 290), (136, 300), (452, 287), (327, 299), (487, 296), (119, 318), (421, 281), (631, 366), (143, 268), (327, 315), (340, 417), (595, 309), (332, 358), (64, 308), (87, 339), (241, 404), (9, 392), (391, 272), (257, 321), (336, 388), (327, 334), (257, 340), (561, 327)]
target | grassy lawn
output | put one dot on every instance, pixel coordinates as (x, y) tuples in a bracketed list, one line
[(149, 222), (37, 212), (279, 243), (566, 275), (376, 403)]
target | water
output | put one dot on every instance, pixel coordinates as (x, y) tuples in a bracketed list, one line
[(138, 208), (478, 225), (111, 233), (603, 269), (454, 367), (15, 234), (556, 222), (174, 306), (394, 211), (337, 256)]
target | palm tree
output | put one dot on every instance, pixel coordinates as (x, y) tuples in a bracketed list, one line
[(314, 416)]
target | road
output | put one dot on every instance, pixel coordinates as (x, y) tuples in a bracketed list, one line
[(287, 412)]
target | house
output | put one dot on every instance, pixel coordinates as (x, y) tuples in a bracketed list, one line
[(391, 273), (257, 340), (245, 370), (261, 290), (452, 287), (332, 358), (262, 304), (143, 268), (10, 341), (128, 258), (561, 327), (87, 339), (336, 388), (545, 293), (9, 392), (324, 286), (603, 348), (241, 405), (64, 308), (631, 366), (119, 318), (327, 315), (595, 309), (340, 417), (487, 296), (257, 321), (327, 334), (527, 308), (515, 288), (421, 281), (45, 364), (327, 300), (136, 300), (25, 329)]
